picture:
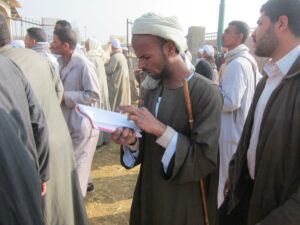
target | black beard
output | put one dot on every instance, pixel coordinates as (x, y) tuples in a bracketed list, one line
[(164, 74), (267, 44)]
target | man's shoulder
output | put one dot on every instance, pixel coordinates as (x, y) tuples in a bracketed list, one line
[(80, 60), (21, 52), (201, 83), (24, 56), (242, 59)]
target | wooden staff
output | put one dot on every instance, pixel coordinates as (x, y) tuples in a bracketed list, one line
[(191, 120)]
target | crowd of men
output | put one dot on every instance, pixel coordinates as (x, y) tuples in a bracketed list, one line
[(220, 143)]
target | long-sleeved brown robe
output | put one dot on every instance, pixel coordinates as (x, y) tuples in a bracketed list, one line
[(173, 198)]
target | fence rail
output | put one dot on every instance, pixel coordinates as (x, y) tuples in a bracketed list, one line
[(20, 25), (213, 35)]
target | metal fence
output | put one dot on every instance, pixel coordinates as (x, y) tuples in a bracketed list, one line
[(213, 35), (19, 27)]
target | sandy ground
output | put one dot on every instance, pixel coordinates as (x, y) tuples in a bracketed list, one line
[(114, 186)]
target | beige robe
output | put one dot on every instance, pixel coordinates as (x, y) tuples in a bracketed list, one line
[(132, 80), (97, 61), (63, 203), (118, 80), (81, 86)]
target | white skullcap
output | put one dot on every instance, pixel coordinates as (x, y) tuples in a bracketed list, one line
[(209, 50), (18, 44), (165, 27), (200, 50), (116, 43)]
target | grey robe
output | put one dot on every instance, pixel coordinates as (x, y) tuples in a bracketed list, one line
[(63, 203), (118, 81), (18, 99), (80, 86), (20, 199), (174, 198), (276, 190)]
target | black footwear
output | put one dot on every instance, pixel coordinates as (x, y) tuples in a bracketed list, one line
[(90, 188)]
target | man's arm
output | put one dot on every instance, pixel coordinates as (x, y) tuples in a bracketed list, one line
[(40, 132), (233, 86), (196, 156), (111, 66), (288, 213), (90, 93)]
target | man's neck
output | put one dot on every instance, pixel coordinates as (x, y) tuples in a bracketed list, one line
[(67, 57), (284, 49), (232, 47), (179, 73)]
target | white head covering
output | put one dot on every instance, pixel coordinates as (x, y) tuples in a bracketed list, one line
[(165, 27), (116, 43), (209, 50), (18, 44), (95, 48), (200, 50)]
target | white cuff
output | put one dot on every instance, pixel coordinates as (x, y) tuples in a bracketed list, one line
[(165, 139)]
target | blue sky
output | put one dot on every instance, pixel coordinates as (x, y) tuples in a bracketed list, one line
[(103, 18)]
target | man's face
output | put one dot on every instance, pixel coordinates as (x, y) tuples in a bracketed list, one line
[(56, 46), (152, 59), (264, 37), (230, 37), (29, 42)]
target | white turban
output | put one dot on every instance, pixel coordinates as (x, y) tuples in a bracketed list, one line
[(209, 50), (200, 50), (165, 27), (116, 43)]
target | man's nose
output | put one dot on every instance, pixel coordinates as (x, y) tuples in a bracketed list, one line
[(141, 64)]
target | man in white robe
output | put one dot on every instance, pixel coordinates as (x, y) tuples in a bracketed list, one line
[(237, 86)]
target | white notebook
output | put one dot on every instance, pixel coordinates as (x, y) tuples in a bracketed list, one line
[(106, 121)]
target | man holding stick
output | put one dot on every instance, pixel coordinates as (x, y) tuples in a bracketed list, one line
[(174, 157)]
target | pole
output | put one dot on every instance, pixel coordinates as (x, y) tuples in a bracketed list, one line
[(127, 32), (191, 121), (221, 26)]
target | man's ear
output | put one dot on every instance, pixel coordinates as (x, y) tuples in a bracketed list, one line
[(170, 48), (33, 42), (282, 23), (66, 45), (241, 36)]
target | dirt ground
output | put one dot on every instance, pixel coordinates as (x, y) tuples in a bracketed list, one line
[(114, 186)]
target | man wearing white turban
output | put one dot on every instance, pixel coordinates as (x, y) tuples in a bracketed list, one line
[(173, 158), (118, 77)]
